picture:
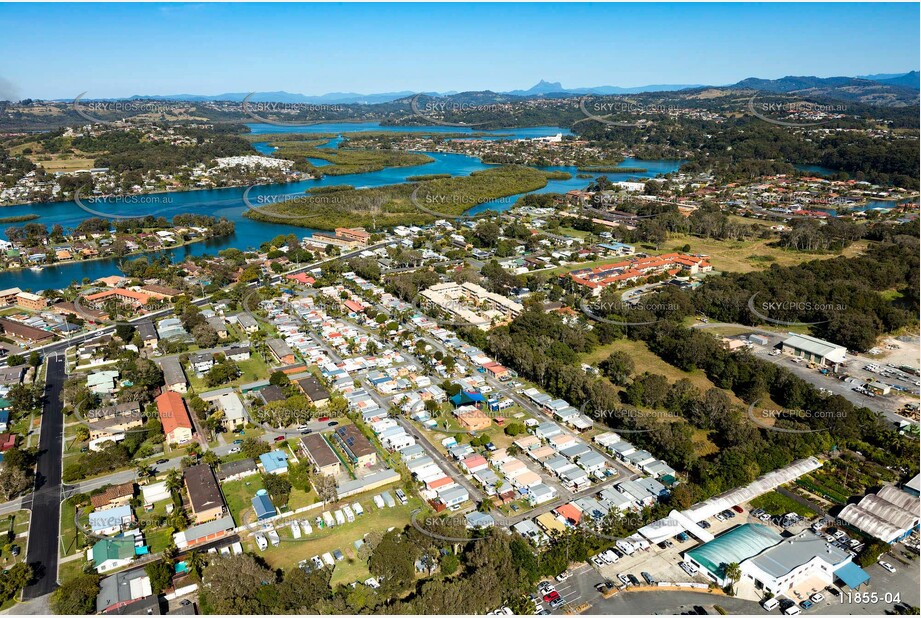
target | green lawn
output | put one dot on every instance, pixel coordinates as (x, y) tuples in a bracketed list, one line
[(239, 495), (252, 370), (289, 553), (70, 570), (69, 533), (15, 524), (778, 504)]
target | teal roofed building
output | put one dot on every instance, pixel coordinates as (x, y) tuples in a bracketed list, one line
[(737, 545)]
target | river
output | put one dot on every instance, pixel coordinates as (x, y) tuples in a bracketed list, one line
[(250, 234)]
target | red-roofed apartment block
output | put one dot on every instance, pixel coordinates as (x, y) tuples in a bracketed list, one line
[(174, 416)]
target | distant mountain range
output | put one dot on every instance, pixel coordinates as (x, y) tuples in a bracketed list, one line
[(884, 88)]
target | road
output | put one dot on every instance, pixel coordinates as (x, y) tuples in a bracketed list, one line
[(44, 527)]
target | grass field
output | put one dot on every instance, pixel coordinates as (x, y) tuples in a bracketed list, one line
[(747, 256), (778, 504), (646, 360), (290, 552)]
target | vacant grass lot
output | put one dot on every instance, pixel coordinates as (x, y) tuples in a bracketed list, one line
[(778, 504), (251, 370), (290, 552)]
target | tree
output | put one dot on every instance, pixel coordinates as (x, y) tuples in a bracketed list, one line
[(204, 336), (13, 481), (325, 487), (14, 360), (394, 560), (253, 447), (232, 585), (160, 574), (125, 332), (279, 378), (618, 367), (15, 579), (77, 596), (278, 486), (733, 574), (35, 360)]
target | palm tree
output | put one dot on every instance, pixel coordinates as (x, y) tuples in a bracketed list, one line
[(144, 470), (733, 574), (174, 480)]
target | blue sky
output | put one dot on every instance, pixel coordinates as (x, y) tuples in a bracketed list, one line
[(110, 50)]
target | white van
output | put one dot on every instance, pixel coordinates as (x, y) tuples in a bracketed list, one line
[(770, 604)]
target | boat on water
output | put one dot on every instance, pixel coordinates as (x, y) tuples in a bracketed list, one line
[(37, 269)]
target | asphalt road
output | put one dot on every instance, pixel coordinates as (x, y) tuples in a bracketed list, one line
[(44, 528)]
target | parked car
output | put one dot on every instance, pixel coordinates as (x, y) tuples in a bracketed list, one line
[(649, 578), (887, 566), (704, 524), (279, 439), (623, 578), (633, 579), (563, 576), (160, 462), (806, 604), (233, 450), (818, 597), (737, 509)]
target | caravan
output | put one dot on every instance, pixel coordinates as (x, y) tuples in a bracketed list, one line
[(349, 514), (306, 527), (328, 519), (359, 511), (340, 518)]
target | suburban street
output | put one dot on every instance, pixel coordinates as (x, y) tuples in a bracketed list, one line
[(44, 528)]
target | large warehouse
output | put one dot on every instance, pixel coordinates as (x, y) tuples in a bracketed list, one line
[(890, 515), (774, 563), (814, 350), (737, 545)]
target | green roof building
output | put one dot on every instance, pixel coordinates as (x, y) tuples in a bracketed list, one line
[(740, 543)]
